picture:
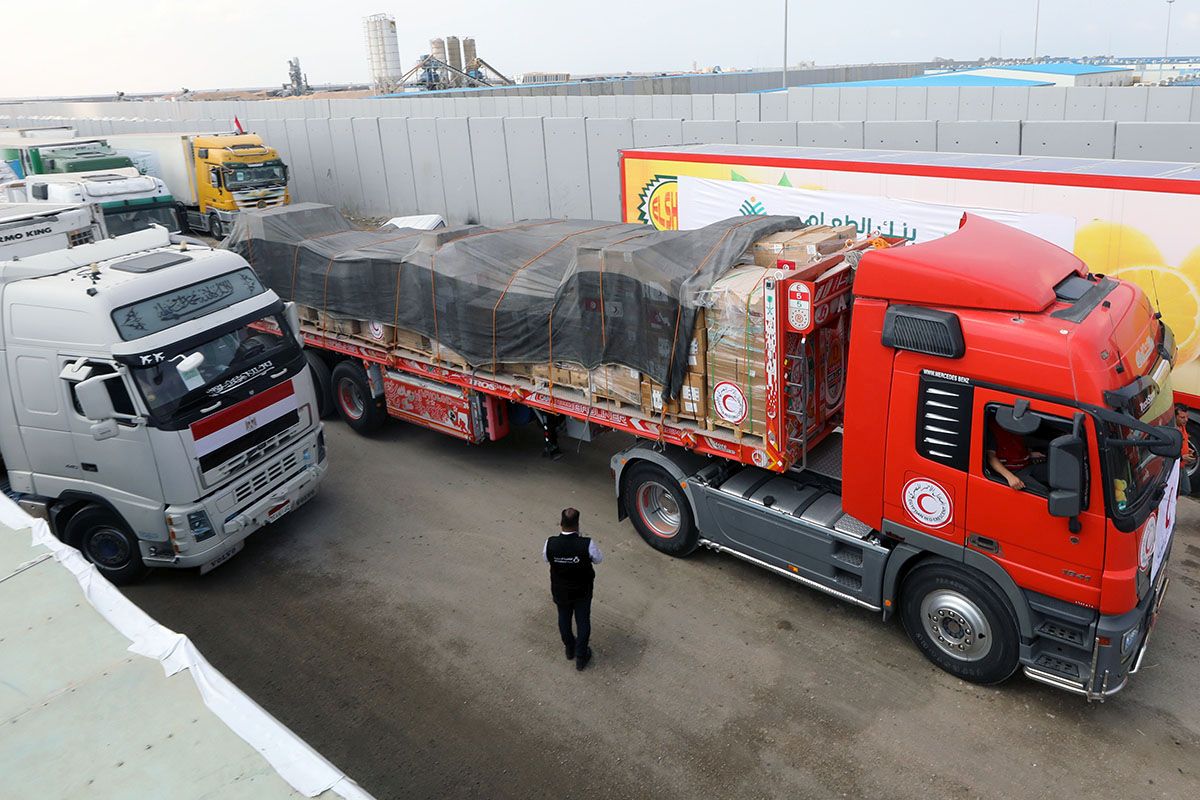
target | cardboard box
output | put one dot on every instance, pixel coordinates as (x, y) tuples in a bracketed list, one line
[(616, 383), (801, 246), (690, 404), (411, 340)]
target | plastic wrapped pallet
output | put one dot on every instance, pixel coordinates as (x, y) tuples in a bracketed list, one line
[(584, 291), (734, 353)]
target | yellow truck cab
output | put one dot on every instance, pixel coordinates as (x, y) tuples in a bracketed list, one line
[(213, 175)]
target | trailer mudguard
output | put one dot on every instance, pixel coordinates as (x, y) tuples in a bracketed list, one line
[(679, 464)]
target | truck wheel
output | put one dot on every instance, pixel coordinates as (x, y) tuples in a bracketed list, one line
[(215, 228), (322, 383), (352, 395), (960, 623), (105, 541), (1193, 446), (659, 510)]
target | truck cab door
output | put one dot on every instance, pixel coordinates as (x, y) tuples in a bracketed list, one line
[(125, 462), (1013, 525)]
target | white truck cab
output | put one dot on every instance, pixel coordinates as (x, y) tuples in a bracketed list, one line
[(128, 200), (155, 404)]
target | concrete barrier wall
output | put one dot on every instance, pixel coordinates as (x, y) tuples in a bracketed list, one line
[(522, 160), (798, 104)]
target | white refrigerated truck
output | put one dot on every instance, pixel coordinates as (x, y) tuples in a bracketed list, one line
[(155, 405)]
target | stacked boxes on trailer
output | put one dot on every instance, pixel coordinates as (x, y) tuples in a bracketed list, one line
[(1128, 219), (896, 467), (213, 176)]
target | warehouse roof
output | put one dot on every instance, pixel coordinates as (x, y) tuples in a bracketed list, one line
[(944, 79), (1062, 68)]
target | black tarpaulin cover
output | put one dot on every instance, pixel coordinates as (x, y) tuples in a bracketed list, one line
[(535, 291)]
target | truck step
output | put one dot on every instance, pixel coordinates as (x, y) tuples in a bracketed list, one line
[(1059, 631)]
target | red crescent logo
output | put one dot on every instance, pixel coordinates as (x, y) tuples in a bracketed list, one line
[(921, 503)]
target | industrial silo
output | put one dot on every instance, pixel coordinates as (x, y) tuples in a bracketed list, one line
[(454, 59), (437, 49), (383, 52), (469, 55)]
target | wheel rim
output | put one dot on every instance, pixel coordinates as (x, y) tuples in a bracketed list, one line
[(956, 625), (657, 507), (350, 399), (108, 547)]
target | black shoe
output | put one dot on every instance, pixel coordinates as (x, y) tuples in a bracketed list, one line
[(583, 659), (570, 651)]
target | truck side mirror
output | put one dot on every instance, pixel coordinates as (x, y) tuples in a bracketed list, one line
[(97, 405), (292, 313), (1065, 474), (1017, 419)]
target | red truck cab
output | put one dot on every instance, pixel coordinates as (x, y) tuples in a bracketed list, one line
[(990, 339), (1005, 475)]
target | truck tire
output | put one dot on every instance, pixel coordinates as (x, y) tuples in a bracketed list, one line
[(1193, 445), (322, 383), (960, 622), (659, 510), (102, 538), (215, 228), (352, 395)]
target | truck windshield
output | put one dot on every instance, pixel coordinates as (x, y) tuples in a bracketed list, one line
[(1133, 471), (246, 176), (230, 359), (123, 220)]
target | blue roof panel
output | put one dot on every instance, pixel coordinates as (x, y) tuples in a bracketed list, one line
[(944, 79)]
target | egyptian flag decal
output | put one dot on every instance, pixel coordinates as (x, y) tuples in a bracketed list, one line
[(223, 435)]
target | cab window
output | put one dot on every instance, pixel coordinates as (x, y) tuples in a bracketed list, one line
[(1019, 459)]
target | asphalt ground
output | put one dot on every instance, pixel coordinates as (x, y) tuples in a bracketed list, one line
[(401, 623)]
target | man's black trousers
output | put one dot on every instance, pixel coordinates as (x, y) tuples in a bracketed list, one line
[(581, 608)]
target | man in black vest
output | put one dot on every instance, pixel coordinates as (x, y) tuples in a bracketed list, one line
[(570, 557)]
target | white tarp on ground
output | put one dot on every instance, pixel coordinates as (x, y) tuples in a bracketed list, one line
[(703, 201), (305, 770)]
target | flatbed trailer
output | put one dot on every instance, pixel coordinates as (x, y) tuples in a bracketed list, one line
[(469, 404)]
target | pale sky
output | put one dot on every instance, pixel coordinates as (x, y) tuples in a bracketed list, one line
[(72, 47)]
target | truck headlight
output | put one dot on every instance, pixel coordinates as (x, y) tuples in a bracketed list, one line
[(1129, 639), (199, 526)]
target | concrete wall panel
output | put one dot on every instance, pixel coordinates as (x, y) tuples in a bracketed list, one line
[(1047, 103), (881, 102), (975, 102), (489, 160), (605, 138), (829, 134), (526, 146), (1085, 103), (371, 171), (567, 175), (800, 104), (660, 106), (702, 107), (724, 106), (979, 136), (769, 133), (454, 150), (320, 147), (941, 102), (918, 135), (654, 132), (714, 131), (1126, 103), (826, 103), (1169, 104), (398, 166), (911, 102), (1079, 139), (748, 107), (427, 166), (773, 106), (1159, 141), (852, 104), (304, 178)]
